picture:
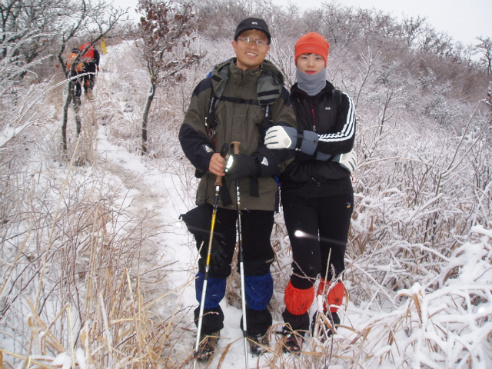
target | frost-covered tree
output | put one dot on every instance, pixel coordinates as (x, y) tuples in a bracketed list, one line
[(166, 30), (485, 48), (20, 19), (16, 98)]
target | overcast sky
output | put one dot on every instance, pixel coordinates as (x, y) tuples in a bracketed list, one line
[(462, 20)]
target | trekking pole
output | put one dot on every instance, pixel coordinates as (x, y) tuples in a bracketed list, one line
[(218, 183), (235, 145)]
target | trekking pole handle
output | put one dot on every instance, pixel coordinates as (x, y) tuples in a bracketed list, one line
[(218, 181), (235, 145)]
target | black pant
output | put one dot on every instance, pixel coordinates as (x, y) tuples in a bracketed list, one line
[(257, 250), (76, 84), (258, 255), (89, 79), (318, 230)]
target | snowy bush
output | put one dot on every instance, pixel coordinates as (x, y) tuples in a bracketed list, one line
[(444, 321)]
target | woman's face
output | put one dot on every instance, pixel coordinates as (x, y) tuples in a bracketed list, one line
[(310, 63)]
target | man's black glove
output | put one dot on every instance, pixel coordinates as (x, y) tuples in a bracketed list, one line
[(241, 166), (268, 163)]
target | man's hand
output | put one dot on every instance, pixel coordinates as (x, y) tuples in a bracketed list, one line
[(217, 165)]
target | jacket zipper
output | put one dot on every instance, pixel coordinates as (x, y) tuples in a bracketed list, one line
[(311, 105), (312, 113)]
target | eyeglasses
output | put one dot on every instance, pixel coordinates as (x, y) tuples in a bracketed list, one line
[(257, 41)]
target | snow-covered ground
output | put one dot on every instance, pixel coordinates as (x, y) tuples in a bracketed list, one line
[(442, 321)]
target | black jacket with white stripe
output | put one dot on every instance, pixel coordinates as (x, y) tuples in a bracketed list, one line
[(331, 114)]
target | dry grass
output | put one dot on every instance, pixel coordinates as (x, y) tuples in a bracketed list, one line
[(89, 291), (75, 265)]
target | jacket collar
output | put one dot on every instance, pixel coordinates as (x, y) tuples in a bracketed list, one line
[(223, 71)]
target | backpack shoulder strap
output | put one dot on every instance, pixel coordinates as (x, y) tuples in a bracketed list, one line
[(269, 89)]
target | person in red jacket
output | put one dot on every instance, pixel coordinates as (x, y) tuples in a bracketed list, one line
[(91, 59), (317, 194)]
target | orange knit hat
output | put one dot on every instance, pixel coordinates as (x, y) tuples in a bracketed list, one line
[(312, 43)]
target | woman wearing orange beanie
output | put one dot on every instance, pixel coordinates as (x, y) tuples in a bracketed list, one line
[(317, 194)]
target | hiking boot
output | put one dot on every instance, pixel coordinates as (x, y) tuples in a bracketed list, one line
[(324, 329), (206, 348), (293, 342), (258, 344)]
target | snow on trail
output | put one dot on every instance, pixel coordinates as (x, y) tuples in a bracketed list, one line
[(155, 193)]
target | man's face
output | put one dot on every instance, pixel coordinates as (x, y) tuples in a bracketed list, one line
[(251, 54)]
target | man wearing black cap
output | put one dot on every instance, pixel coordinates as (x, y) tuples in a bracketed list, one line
[(237, 103), (251, 32)]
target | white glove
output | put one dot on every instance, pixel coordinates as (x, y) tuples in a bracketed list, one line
[(280, 137), (348, 161)]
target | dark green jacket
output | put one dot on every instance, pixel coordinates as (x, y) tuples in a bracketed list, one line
[(238, 116)]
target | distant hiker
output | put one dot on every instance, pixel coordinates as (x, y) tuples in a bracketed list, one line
[(317, 194), (91, 62), (237, 103), (77, 69)]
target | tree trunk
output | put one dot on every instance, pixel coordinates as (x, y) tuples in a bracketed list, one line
[(65, 117), (76, 107), (148, 103), (76, 104)]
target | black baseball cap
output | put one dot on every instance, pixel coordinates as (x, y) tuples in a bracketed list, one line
[(253, 23)]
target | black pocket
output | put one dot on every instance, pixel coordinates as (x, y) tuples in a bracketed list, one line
[(198, 221)]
